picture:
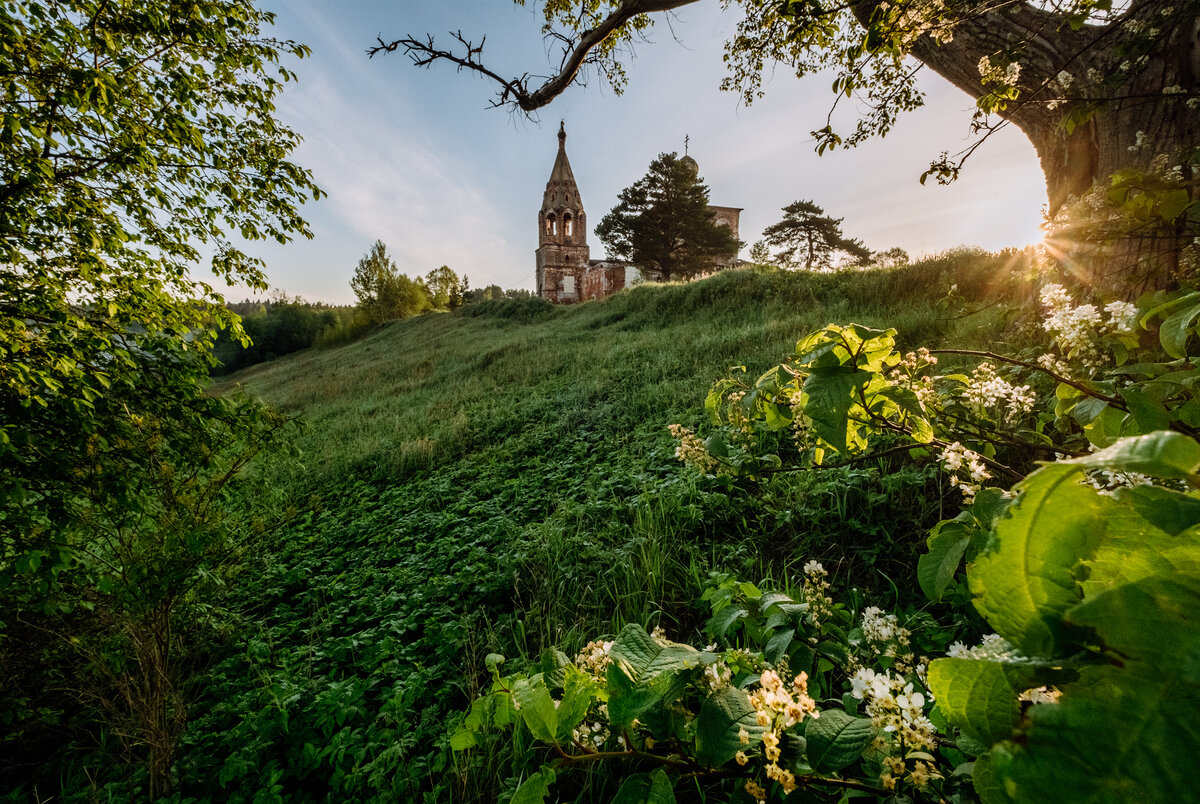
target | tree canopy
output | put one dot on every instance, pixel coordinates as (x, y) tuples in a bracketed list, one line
[(138, 137), (138, 140), (663, 222), (807, 237), (1107, 96)]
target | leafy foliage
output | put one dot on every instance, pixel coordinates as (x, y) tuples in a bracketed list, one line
[(137, 138), (1119, 622), (135, 134), (383, 292)]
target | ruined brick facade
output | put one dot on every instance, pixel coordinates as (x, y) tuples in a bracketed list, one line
[(566, 274)]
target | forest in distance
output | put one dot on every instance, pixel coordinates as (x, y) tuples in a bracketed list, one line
[(826, 524)]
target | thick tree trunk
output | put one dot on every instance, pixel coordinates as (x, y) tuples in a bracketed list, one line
[(1134, 125)]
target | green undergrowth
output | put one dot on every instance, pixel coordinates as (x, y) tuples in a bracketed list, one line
[(502, 480)]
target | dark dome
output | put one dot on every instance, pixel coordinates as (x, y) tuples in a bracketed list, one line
[(691, 163)]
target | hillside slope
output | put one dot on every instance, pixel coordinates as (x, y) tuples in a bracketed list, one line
[(501, 480)]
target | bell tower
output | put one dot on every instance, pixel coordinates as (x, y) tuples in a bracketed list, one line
[(562, 254)]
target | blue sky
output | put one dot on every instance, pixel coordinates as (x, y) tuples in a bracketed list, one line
[(416, 157)]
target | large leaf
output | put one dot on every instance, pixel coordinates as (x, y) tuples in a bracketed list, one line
[(646, 788), (579, 691), (983, 776), (836, 739), (1164, 454), (948, 542), (1173, 333), (1026, 579), (979, 696), (1154, 531), (719, 623), (1131, 733), (645, 671), (1147, 412), (535, 789), (722, 715), (537, 707), (829, 397)]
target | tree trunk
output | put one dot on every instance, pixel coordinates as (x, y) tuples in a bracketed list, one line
[(1132, 126)]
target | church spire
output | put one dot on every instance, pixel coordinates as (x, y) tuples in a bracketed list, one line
[(561, 190)]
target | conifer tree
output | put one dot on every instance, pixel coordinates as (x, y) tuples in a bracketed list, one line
[(663, 223), (809, 238)]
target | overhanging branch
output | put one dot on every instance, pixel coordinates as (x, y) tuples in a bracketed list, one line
[(424, 53)]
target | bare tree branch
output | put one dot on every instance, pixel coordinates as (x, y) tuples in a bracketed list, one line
[(516, 90)]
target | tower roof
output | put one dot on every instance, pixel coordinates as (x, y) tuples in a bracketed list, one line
[(562, 181)]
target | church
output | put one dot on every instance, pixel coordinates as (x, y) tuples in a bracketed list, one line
[(566, 274)]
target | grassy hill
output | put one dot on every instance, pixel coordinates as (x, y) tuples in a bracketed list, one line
[(501, 480)]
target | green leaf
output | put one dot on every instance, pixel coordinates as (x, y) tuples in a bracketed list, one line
[(829, 397), (836, 739), (1173, 333), (579, 691), (537, 707), (462, 739), (777, 645), (535, 789), (936, 568), (983, 776), (978, 696), (1165, 454), (1128, 731), (646, 788), (1149, 413), (773, 598), (720, 622), (1170, 511), (1025, 579), (645, 672), (722, 715)]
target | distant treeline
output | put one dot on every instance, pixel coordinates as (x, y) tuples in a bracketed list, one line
[(282, 325)]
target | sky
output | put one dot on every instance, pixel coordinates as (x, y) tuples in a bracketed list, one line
[(417, 158)]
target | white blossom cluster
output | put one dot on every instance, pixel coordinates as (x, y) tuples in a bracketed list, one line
[(717, 675), (691, 449), (993, 648), (988, 392), (777, 707), (591, 736), (594, 657), (884, 632), (897, 709), (1005, 74), (908, 372), (1078, 328), (741, 426), (960, 461), (816, 592), (1106, 481)]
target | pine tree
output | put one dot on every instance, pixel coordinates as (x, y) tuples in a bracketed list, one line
[(663, 223), (808, 237)]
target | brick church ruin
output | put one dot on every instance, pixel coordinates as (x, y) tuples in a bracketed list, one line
[(565, 272)]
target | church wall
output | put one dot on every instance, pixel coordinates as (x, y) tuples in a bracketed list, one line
[(602, 280)]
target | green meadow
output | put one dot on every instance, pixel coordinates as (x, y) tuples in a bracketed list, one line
[(501, 480)]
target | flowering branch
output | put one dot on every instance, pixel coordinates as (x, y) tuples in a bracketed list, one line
[(1115, 401)]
